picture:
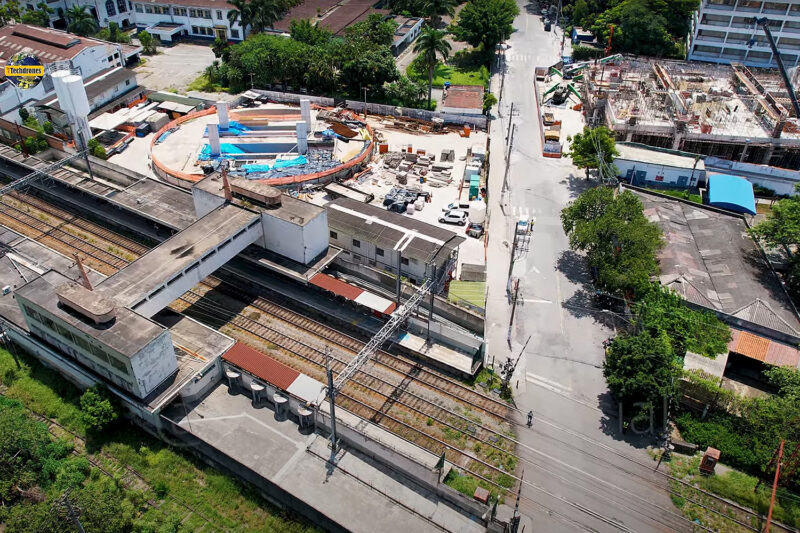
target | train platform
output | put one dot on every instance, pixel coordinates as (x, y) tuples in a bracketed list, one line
[(355, 493), (450, 359), (161, 203)]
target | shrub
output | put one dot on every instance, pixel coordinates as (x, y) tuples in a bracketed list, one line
[(582, 53), (98, 408)]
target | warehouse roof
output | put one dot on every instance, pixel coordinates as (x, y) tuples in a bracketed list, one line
[(390, 230), (669, 158), (732, 193)]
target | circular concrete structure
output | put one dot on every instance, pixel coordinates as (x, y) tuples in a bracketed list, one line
[(262, 144)]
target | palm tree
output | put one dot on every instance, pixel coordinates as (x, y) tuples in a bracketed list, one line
[(80, 21), (241, 14), (431, 44), (436, 9), (265, 13)]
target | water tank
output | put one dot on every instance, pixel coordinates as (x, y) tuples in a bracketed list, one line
[(477, 212), (71, 93)]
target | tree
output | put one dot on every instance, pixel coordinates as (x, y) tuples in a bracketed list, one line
[(436, 9), (370, 33), (113, 34), (372, 68), (593, 148), (638, 29), (489, 100), (39, 16), (80, 20), (305, 31), (430, 45), (240, 14), (219, 47), (486, 23), (580, 10), (98, 408), (404, 92), (620, 243), (782, 226), (265, 13), (641, 368), (662, 310), (148, 42), (9, 11)]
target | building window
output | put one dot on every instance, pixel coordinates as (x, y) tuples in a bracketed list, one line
[(121, 7), (356, 257), (148, 9), (379, 252), (161, 10), (110, 9), (234, 34), (127, 82), (219, 14), (404, 261), (334, 235), (99, 353), (200, 13), (179, 11), (202, 30), (119, 365), (356, 243), (138, 8)]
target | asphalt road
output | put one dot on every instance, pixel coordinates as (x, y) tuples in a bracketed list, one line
[(579, 472)]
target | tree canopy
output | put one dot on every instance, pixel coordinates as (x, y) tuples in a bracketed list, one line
[(98, 408), (431, 45), (650, 27), (486, 23), (594, 147), (81, 22), (620, 243), (40, 16), (148, 42)]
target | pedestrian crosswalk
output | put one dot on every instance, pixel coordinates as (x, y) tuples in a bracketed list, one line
[(520, 58), (522, 212)]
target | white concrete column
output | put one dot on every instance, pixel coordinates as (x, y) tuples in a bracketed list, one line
[(213, 139), (305, 112), (302, 137), (222, 113)]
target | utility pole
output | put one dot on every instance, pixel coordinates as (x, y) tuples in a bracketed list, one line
[(508, 133), (430, 306), (365, 102), (774, 487), (508, 157), (399, 286), (63, 501), (331, 397), (515, 518)]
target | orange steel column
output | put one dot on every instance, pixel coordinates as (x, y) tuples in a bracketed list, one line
[(774, 486)]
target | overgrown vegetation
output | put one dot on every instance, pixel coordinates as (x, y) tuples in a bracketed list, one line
[(646, 27), (96, 149), (44, 468), (748, 430), (781, 229), (594, 148), (683, 195)]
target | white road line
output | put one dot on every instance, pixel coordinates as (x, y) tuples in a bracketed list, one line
[(535, 301), (560, 392), (548, 381)]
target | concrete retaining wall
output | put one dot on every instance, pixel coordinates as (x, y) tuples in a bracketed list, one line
[(103, 169), (480, 122)]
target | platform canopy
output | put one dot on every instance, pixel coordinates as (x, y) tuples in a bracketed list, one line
[(732, 193)]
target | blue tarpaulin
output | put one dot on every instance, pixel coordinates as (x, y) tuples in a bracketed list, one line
[(234, 128), (225, 149), (282, 163), (732, 193)]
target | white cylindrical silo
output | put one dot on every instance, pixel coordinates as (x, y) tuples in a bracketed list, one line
[(477, 212), (77, 92), (302, 137)]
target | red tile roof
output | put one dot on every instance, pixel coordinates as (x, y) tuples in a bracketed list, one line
[(260, 365), (335, 286), (464, 97), (46, 43), (763, 349)]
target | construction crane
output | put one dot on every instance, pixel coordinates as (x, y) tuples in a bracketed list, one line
[(41, 173), (764, 23)]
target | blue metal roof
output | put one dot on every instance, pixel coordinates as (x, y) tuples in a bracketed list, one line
[(732, 193)]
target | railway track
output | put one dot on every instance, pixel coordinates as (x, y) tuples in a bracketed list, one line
[(369, 410)]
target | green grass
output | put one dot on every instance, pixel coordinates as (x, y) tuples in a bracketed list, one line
[(473, 292), (684, 195), (455, 75), (733, 485), (201, 83), (466, 484), (223, 500)]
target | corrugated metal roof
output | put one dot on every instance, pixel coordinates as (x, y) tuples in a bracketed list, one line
[(335, 286), (261, 365), (759, 312), (375, 302), (782, 355)]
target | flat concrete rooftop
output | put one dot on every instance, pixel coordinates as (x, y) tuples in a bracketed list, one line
[(158, 266), (127, 334), (711, 261), (355, 493), (158, 201), (632, 152)]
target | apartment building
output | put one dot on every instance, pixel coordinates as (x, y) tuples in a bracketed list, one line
[(723, 32)]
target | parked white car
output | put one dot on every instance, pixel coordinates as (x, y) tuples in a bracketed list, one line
[(454, 216)]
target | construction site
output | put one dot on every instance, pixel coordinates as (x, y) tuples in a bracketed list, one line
[(727, 111)]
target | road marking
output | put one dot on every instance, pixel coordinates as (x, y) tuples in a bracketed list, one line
[(537, 271), (535, 301), (549, 382), (532, 378)]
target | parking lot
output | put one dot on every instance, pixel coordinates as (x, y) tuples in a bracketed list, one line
[(174, 67)]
